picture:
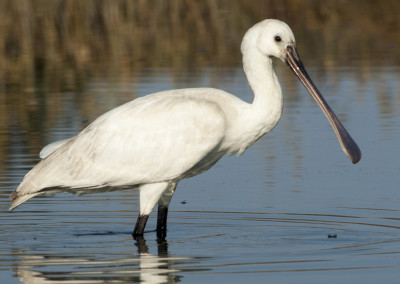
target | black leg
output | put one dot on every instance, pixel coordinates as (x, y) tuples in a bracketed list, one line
[(140, 224), (141, 245), (162, 248), (162, 222)]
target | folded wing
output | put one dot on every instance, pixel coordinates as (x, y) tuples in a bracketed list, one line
[(151, 139)]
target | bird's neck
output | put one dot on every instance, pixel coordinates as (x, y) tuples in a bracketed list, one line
[(264, 83)]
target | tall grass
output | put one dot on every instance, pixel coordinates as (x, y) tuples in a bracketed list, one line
[(58, 37)]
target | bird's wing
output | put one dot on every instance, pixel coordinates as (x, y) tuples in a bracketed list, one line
[(151, 139), (47, 150)]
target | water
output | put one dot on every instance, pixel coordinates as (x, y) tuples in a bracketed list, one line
[(292, 209)]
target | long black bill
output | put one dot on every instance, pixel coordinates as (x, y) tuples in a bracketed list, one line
[(349, 147)]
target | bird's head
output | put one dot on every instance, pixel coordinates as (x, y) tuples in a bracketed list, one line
[(274, 38), (270, 38)]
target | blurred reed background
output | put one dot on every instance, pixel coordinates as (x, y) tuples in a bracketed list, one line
[(58, 39), (48, 47)]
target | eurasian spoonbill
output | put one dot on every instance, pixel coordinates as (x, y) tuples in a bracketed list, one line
[(153, 142)]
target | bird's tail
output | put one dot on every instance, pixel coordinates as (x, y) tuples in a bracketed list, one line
[(17, 199), (28, 188)]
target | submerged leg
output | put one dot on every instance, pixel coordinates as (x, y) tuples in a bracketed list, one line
[(162, 222), (163, 204), (150, 194)]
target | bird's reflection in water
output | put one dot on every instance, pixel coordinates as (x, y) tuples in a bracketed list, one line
[(156, 269), (143, 267)]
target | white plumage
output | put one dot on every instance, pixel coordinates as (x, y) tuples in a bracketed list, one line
[(155, 141)]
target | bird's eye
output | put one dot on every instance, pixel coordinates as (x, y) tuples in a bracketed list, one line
[(278, 39)]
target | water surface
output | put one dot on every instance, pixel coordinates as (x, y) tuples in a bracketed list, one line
[(291, 209)]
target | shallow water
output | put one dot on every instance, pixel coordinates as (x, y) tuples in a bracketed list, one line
[(292, 209)]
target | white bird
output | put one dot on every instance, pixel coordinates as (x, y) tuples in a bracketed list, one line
[(153, 142)]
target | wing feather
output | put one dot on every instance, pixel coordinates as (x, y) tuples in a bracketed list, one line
[(47, 150)]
